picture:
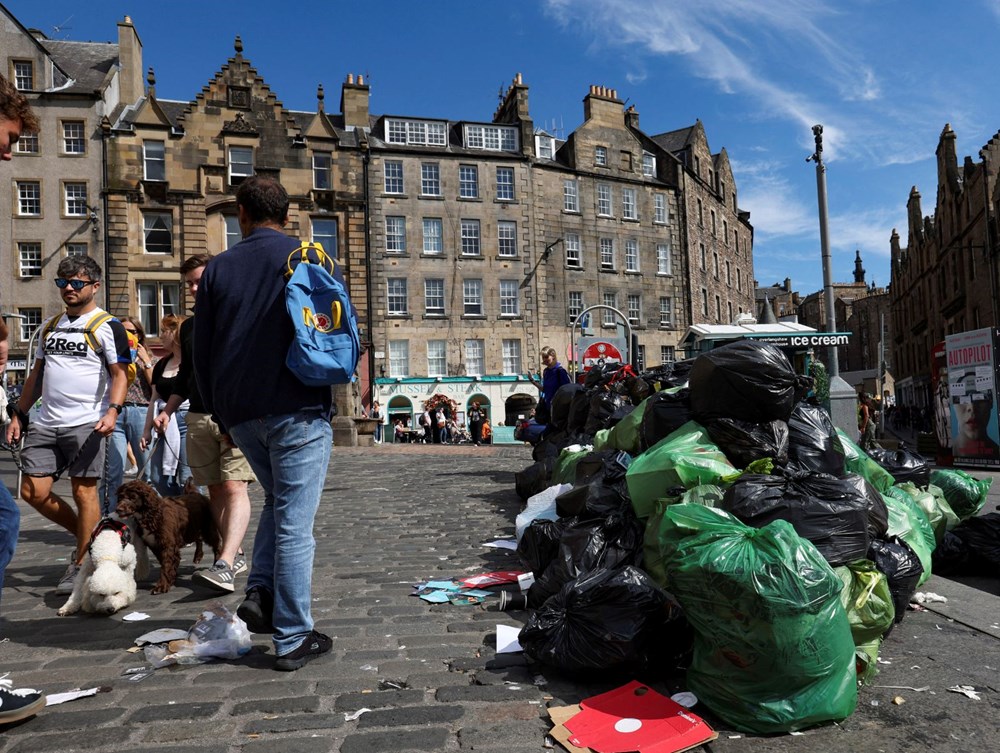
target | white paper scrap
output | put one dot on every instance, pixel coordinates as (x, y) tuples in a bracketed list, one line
[(502, 544), (135, 617), (54, 699), (355, 715), (507, 642)]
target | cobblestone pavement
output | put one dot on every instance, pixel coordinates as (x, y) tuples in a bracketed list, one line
[(392, 516)]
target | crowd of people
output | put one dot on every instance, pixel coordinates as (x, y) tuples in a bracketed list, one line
[(438, 426), (219, 408)]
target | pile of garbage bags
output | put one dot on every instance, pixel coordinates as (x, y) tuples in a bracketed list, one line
[(708, 516)]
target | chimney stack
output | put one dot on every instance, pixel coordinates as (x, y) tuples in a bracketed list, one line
[(354, 102), (130, 85)]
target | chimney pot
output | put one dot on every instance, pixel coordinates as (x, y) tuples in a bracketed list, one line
[(128, 19), (361, 80), (350, 78)]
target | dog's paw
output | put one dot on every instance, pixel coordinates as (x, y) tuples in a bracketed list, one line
[(160, 588), (63, 611)]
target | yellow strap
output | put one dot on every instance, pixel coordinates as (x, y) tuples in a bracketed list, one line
[(303, 253), (92, 326)]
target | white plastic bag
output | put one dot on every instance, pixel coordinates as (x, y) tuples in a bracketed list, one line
[(542, 506), (218, 634)]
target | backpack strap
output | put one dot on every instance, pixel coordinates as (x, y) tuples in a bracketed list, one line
[(50, 325), (89, 332), (301, 255)]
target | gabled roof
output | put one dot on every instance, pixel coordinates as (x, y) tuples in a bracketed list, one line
[(675, 141), (89, 64)]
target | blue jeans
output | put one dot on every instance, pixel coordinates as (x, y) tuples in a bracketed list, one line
[(128, 430), (289, 453), (10, 524)]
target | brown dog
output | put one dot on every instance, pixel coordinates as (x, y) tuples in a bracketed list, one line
[(165, 524)]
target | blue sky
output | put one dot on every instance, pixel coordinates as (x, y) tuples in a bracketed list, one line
[(882, 76)]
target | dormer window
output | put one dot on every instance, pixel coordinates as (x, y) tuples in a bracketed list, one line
[(419, 132), (648, 165), (491, 137)]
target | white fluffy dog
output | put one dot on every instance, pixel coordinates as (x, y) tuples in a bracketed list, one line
[(106, 581)]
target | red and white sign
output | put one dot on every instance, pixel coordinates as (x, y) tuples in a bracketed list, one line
[(601, 354)]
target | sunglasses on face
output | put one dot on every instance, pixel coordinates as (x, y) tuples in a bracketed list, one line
[(62, 282)]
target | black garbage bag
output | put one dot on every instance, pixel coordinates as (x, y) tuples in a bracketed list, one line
[(971, 548), (901, 568), (579, 409), (748, 379), (637, 389), (553, 442), (668, 375), (599, 375), (605, 621), (603, 405), (878, 512), (534, 479), (540, 542), (599, 488), (559, 411), (813, 442), (588, 545), (665, 413), (829, 512), (744, 442), (904, 465)]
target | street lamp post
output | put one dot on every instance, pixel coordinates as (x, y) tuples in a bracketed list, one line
[(824, 240)]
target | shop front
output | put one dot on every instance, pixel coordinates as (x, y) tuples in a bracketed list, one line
[(504, 399)]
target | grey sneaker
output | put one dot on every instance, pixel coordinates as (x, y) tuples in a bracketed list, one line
[(18, 703), (240, 563), (219, 576), (315, 644), (65, 585)]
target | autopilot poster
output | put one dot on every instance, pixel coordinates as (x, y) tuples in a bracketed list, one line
[(972, 383)]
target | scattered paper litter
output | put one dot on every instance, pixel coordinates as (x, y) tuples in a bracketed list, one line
[(54, 699), (507, 642), (136, 617), (502, 544), (161, 635), (686, 699), (967, 690), (355, 715), (928, 597)]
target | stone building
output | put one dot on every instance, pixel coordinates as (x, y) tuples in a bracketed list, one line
[(784, 301), (174, 168), (52, 188), (490, 238), (944, 280)]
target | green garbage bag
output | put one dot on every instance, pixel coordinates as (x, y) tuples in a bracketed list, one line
[(931, 500), (866, 659), (601, 440), (564, 471), (965, 494), (910, 524), (706, 495), (857, 461), (773, 649), (624, 435), (685, 458), (866, 599)]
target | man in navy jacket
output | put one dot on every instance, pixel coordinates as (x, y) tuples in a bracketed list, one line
[(280, 424)]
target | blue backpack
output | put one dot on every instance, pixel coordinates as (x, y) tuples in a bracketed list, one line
[(326, 345)]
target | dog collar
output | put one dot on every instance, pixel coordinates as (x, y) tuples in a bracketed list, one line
[(110, 524)]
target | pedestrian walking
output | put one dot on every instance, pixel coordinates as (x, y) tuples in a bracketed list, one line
[(281, 424)]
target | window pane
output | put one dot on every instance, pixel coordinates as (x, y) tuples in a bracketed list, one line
[(148, 307), (393, 170), (322, 173), (30, 321), (505, 183), (474, 357), (434, 297), (154, 160), (511, 356), (663, 259), (468, 181), (430, 179), (233, 233), (75, 199), (73, 138), (631, 255), (433, 241), (570, 197), (509, 304), (507, 238), (397, 299), (573, 257), (157, 228), (324, 231), (24, 75), (437, 361), (470, 238), (472, 292), (29, 198), (395, 235), (240, 161), (29, 259), (399, 358)]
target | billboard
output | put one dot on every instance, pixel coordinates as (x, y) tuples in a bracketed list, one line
[(972, 384)]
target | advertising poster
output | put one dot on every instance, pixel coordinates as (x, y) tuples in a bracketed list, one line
[(972, 382), (942, 403)]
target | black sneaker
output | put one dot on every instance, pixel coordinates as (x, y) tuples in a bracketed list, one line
[(256, 610), (314, 645), (19, 704)]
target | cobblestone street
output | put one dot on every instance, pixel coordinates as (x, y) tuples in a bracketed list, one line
[(391, 517)]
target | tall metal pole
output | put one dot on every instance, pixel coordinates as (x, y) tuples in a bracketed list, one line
[(824, 240)]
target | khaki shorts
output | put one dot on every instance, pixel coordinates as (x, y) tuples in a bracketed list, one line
[(47, 450), (211, 460)]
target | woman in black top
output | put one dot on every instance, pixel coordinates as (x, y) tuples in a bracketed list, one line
[(165, 375)]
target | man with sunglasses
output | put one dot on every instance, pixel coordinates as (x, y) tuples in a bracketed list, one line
[(82, 389)]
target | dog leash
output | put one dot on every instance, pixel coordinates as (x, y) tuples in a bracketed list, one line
[(15, 452)]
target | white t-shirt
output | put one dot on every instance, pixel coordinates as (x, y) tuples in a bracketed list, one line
[(75, 381)]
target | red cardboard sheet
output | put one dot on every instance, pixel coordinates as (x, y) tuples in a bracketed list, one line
[(635, 717), (491, 579)]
